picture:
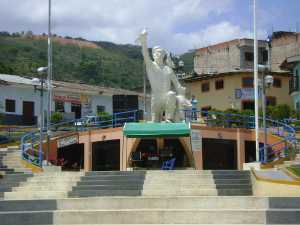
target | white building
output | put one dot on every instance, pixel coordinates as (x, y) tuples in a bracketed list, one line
[(21, 104)]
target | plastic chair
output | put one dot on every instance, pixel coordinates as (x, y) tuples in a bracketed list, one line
[(168, 165)]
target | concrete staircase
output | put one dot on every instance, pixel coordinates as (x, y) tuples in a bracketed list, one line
[(11, 169), (153, 210), (163, 183), (130, 183), (294, 161), (45, 186), (10, 161)]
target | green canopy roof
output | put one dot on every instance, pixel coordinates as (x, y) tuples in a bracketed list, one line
[(156, 130)]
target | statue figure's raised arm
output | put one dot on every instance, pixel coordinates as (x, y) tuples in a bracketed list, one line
[(143, 39)]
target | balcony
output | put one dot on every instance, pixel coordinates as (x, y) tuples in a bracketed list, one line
[(294, 86)]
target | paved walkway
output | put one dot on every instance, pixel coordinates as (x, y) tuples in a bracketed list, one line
[(278, 175)]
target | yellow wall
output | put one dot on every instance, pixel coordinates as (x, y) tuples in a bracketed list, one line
[(219, 98)]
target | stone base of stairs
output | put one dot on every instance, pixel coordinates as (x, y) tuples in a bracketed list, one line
[(153, 210)]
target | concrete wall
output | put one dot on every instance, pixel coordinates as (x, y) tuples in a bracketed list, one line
[(219, 98), (129, 145), (227, 56), (271, 187)]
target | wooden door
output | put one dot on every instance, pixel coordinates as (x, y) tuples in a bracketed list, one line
[(28, 113)]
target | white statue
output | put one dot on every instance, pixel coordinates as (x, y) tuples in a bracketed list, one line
[(182, 103), (161, 77)]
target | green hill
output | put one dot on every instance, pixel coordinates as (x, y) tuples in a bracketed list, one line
[(113, 65)]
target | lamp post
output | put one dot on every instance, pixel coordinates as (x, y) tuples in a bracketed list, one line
[(178, 66), (268, 80), (36, 82)]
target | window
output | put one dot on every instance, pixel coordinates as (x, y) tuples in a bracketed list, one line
[(206, 108), (205, 87), (271, 101), (249, 56), (265, 56), (10, 105), (247, 104), (100, 108), (247, 82), (277, 83), (219, 84), (59, 106)]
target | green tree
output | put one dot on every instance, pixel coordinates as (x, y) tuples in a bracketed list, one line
[(56, 119), (13, 50), (29, 32), (7, 69), (105, 118), (41, 55)]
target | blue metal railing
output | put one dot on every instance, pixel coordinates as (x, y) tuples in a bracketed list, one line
[(79, 125), (15, 134), (283, 130), (294, 123), (267, 154)]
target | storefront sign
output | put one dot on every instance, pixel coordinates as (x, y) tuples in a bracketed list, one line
[(67, 141), (246, 93), (87, 112), (66, 97), (196, 140), (86, 101)]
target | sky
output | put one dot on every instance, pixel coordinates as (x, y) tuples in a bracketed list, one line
[(175, 25)]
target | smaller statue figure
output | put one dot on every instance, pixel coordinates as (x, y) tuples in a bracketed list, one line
[(182, 103)]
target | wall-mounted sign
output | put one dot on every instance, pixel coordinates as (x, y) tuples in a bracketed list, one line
[(66, 97), (196, 140), (86, 101), (246, 93), (67, 141), (87, 112)]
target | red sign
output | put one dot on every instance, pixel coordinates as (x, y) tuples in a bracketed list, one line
[(66, 97)]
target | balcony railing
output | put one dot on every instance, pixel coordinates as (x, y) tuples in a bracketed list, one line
[(294, 86)]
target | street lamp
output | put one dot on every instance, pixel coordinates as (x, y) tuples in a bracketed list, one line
[(178, 66), (268, 80), (35, 82)]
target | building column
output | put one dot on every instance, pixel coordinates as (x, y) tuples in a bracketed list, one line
[(240, 149)]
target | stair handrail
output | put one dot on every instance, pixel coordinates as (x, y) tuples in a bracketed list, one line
[(14, 134), (69, 127), (279, 129)]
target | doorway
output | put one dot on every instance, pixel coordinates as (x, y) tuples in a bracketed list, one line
[(248, 105), (178, 152), (76, 108), (28, 113), (106, 155), (250, 151), (219, 154), (74, 154)]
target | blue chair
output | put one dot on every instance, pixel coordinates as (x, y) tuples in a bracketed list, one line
[(168, 165)]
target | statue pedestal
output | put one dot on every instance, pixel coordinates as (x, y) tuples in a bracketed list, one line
[(255, 165), (51, 169)]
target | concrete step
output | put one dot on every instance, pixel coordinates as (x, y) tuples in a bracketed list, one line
[(28, 189), (97, 193), (179, 182), (153, 210), (48, 179), (36, 195), (194, 192), (48, 184)]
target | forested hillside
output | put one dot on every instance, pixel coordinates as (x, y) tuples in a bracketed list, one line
[(112, 65)]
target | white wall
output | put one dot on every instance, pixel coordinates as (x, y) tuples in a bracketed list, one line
[(23, 92)]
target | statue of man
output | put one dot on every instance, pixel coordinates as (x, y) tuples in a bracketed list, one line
[(161, 77)]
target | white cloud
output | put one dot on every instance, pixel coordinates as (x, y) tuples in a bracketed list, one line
[(176, 25)]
